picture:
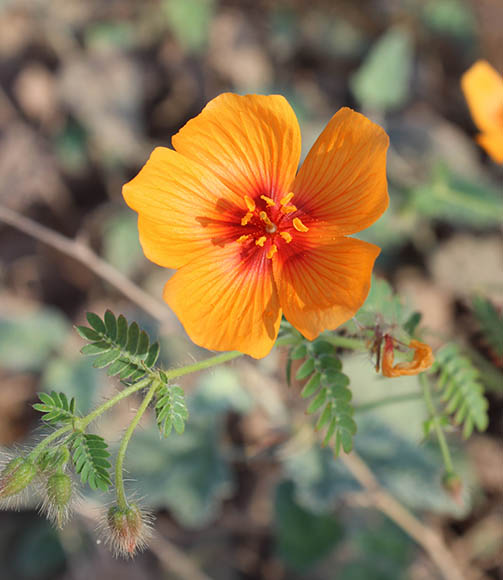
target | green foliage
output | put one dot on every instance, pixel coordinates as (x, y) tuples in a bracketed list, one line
[(383, 306), (56, 408), (53, 458), (380, 551), (452, 17), (491, 323), (170, 409), (190, 21), (118, 345), (90, 453), (26, 342), (120, 242), (328, 389), (457, 200), (462, 392), (382, 81), (303, 537), (75, 377), (410, 472), (191, 476)]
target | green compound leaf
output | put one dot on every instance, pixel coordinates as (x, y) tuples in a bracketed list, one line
[(90, 458), (457, 200), (170, 409), (491, 324), (56, 407), (462, 392), (122, 347), (327, 387)]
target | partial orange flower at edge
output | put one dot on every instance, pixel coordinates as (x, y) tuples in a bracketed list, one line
[(483, 89), (250, 239)]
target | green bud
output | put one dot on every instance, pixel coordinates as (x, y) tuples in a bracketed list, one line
[(59, 490), (16, 476), (53, 459)]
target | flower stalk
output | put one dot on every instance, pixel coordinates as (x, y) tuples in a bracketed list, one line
[(444, 448)]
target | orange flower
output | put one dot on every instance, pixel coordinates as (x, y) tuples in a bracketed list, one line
[(249, 238), (483, 89), (422, 361)]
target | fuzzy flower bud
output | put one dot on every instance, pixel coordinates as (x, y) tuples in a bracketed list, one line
[(59, 490), (16, 476), (129, 530)]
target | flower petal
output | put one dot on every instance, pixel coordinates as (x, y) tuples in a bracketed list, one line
[(483, 89), (322, 286), (342, 182), (252, 143), (183, 208), (493, 144), (422, 361), (226, 299)]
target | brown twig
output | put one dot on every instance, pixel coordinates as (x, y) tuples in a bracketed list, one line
[(428, 539), (86, 256)]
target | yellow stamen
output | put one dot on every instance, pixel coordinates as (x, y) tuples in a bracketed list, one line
[(243, 238), (299, 226), (288, 208), (272, 250), (250, 204), (246, 218), (269, 202), (265, 218), (287, 199), (286, 236), (261, 241)]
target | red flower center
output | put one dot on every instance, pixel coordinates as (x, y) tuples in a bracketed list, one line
[(267, 223)]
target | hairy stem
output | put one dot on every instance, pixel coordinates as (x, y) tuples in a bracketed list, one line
[(84, 422), (345, 342), (119, 475), (446, 455), (37, 450)]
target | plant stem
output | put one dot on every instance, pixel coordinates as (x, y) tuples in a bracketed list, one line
[(119, 479), (446, 455), (35, 452), (84, 422), (203, 364), (345, 342), (391, 400)]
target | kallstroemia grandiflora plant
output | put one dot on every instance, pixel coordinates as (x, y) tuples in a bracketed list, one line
[(72, 451)]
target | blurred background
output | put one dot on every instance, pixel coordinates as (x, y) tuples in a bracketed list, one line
[(87, 89)]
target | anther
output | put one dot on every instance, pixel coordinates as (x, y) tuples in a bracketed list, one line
[(288, 208), (250, 204), (299, 226), (286, 236), (269, 202), (245, 219), (261, 241), (243, 238), (287, 199), (272, 250)]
